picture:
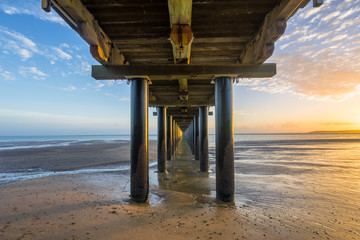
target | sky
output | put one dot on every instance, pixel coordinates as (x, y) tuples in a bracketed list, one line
[(46, 87)]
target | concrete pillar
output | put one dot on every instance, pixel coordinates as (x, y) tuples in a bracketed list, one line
[(169, 138), (203, 139), (139, 185), (224, 139), (161, 146), (196, 137)]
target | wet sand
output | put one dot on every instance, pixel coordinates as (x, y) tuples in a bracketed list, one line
[(66, 158), (182, 205)]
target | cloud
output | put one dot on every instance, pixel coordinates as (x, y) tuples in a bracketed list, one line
[(16, 43), (290, 124), (317, 59), (29, 7), (6, 75), (32, 72), (69, 88), (117, 97), (64, 45), (339, 123), (61, 54), (331, 16), (84, 68)]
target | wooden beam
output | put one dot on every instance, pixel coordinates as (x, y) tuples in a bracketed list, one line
[(88, 28), (179, 113), (181, 35), (179, 103), (125, 40), (317, 3), (191, 87), (176, 71), (261, 46)]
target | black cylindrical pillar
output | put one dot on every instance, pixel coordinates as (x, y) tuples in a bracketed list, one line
[(139, 186), (177, 135), (175, 131), (224, 139), (192, 137), (203, 139), (173, 137), (196, 137), (161, 144), (169, 138)]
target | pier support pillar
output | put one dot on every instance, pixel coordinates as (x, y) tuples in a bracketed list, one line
[(192, 137), (196, 137), (161, 146), (224, 128), (173, 137), (176, 136), (139, 186), (203, 139), (169, 138)]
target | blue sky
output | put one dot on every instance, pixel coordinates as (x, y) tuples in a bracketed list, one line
[(46, 87)]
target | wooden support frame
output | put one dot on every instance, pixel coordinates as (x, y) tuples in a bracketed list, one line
[(179, 103), (102, 48), (262, 46), (176, 71)]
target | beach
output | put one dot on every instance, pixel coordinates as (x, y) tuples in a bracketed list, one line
[(285, 189)]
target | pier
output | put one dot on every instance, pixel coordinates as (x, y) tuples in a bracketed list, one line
[(180, 56)]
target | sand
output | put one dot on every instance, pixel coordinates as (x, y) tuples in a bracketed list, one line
[(182, 205), (77, 156)]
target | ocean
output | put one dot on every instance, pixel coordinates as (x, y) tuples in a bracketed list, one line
[(255, 154), (306, 185)]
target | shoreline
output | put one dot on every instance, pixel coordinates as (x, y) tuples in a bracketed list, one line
[(300, 196), (72, 157), (80, 157)]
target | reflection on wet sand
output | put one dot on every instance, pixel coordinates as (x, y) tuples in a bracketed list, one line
[(282, 195)]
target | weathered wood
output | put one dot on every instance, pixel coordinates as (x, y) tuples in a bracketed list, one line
[(178, 103), (88, 30), (317, 3), (183, 115), (182, 71), (192, 88), (269, 32)]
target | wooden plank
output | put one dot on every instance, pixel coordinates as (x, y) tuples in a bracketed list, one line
[(261, 47), (205, 48), (125, 40), (178, 113), (192, 88), (182, 71), (115, 30), (87, 30), (178, 103)]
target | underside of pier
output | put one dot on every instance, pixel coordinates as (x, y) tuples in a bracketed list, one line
[(181, 56)]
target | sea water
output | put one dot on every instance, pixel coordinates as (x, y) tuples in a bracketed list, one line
[(25, 142), (257, 154)]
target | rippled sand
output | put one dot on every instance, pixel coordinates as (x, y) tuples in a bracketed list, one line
[(273, 201)]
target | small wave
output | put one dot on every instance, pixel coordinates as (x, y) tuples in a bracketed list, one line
[(17, 146), (39, 173)]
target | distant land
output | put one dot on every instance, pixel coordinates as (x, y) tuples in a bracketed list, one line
[(340, 131)]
